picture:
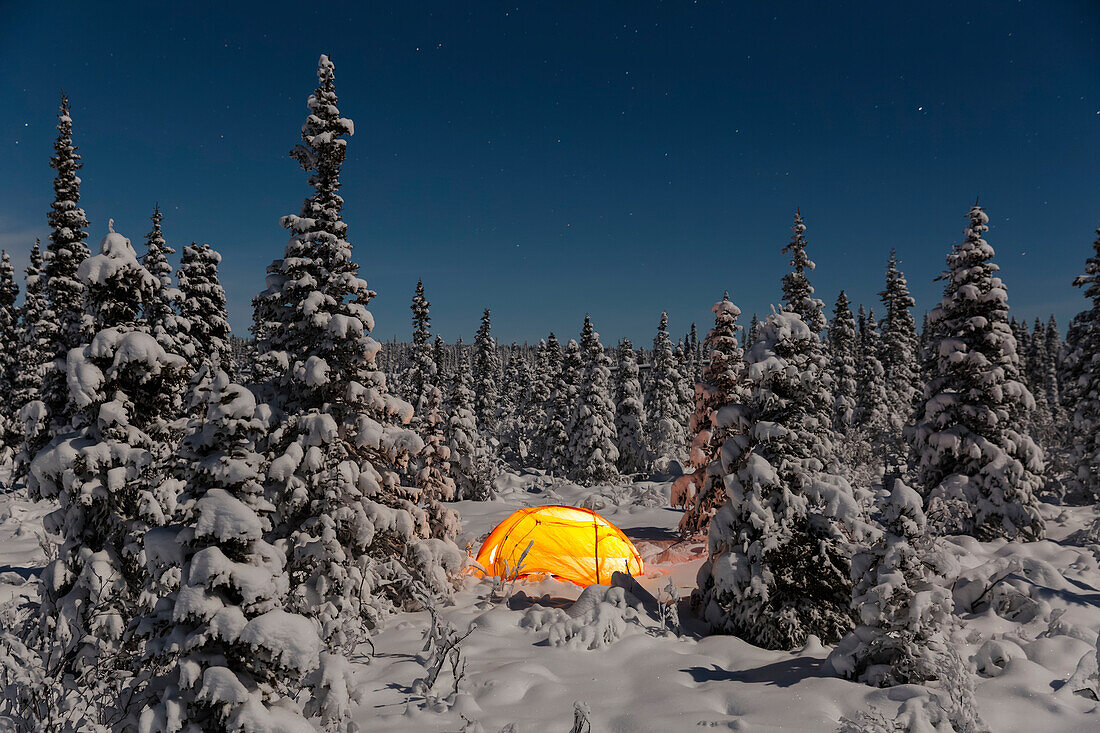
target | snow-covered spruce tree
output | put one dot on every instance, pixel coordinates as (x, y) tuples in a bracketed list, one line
[(515, 432), (533, 412), (630, 417), (797, 291), (842, 362), (667, 434), (100, 472), (508, 392), (871, 412), (1082, 381), (486, 367), (9, 336), (898, 353), (559, 409), (1054, 354), (702, 492), (356, 544), (1035, 364), (68, 325), (33, 357), (161, 312), (685, 387), (224, 652), (433, 467), (442, 364), (904, 608), (754, 331), (593, 436), (202, 306), (565, 405), (977, 466), (422, 371), (471, 463), (778, 566)]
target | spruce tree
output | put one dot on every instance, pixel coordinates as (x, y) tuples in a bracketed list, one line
[(102, 472), (1054, 355), (68, 326), (667, 434), (722, 384), (630, 417), (486, 366), (842, 355), (1035, 364), (224, 652), (559, 409), (422, 372), (797, 291), (754, 331), (904, 608), (899, 354), (471, 463), (515, 430), (778, 565), (871, 411), (9, 337), (202, 306), (442, 365), (976, 463), (533, 412), (566, 400), (594, 453), (33, 356), (161, 312), (356, 541), (1083, 373)]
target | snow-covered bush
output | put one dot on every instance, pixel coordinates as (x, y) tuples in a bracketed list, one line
[(597, 619), (904, 609), (225, 652)]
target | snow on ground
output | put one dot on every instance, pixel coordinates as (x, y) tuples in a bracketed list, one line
[(1031, 613)]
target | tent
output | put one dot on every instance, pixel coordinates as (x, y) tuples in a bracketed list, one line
[(567, 542)]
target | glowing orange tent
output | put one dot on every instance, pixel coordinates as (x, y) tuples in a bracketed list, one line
[(567, 542)]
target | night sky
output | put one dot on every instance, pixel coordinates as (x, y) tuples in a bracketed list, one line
[(555, 159)]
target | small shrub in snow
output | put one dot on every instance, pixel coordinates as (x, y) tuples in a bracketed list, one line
[(598, 618), (903, 607)]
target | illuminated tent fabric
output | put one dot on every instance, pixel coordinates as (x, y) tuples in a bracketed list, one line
[(573, 544)]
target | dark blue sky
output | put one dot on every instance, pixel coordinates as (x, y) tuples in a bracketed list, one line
[(548, 160)]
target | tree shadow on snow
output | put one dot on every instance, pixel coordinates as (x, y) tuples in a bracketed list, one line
[(26, 573), (781, 674), (651, 533)]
